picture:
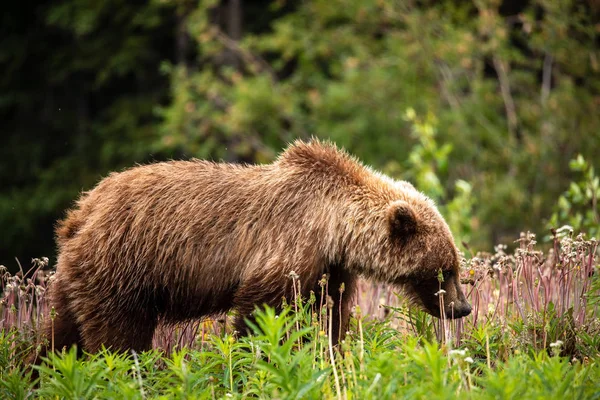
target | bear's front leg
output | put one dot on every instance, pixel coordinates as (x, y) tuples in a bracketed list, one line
[(341, 288)]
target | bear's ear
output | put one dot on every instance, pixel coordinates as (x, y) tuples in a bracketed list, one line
[(402, 220)]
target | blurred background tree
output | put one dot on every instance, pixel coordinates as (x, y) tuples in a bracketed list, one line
[(482, 104)]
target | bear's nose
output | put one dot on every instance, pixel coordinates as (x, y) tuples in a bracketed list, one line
[(466, 310), (462, 310)]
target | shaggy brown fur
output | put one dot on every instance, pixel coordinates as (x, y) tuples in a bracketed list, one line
[(184, 239)]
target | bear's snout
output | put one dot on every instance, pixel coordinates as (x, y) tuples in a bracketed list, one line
[(462, 310)]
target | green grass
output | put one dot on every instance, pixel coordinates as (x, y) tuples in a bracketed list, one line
[(282, 362)]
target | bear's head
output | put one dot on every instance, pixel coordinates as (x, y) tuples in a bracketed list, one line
[(423, 248), (403, 239), (378, 227)]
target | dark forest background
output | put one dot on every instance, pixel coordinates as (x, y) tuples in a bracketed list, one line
[(482, 104)]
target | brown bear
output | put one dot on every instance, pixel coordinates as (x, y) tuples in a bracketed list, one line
[(180, 240)]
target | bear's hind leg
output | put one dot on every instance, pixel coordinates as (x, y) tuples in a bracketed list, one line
[(61, 328), (117, 331), (62, 331)]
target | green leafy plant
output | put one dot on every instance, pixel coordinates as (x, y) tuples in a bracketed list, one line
[(577, 209), (427, 162)]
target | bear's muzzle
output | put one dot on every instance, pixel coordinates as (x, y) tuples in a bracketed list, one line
[(458, 311)]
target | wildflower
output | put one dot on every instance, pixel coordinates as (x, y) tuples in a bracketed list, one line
[(357, 311), (441, 291), (457, 352), (469, 360), (500, 249), (294, 275), (558, 343), (323, 280)]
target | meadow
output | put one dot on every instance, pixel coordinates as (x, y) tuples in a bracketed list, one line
[(534, 333), (489, 107)]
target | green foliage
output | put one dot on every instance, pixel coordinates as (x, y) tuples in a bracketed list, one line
[(280, 361), (288, 366), (347, 71), (541, 376), (12, 350), (69, 378), (78, 95), (428, 161), (578, 206), (15, 382), (510, 90)]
